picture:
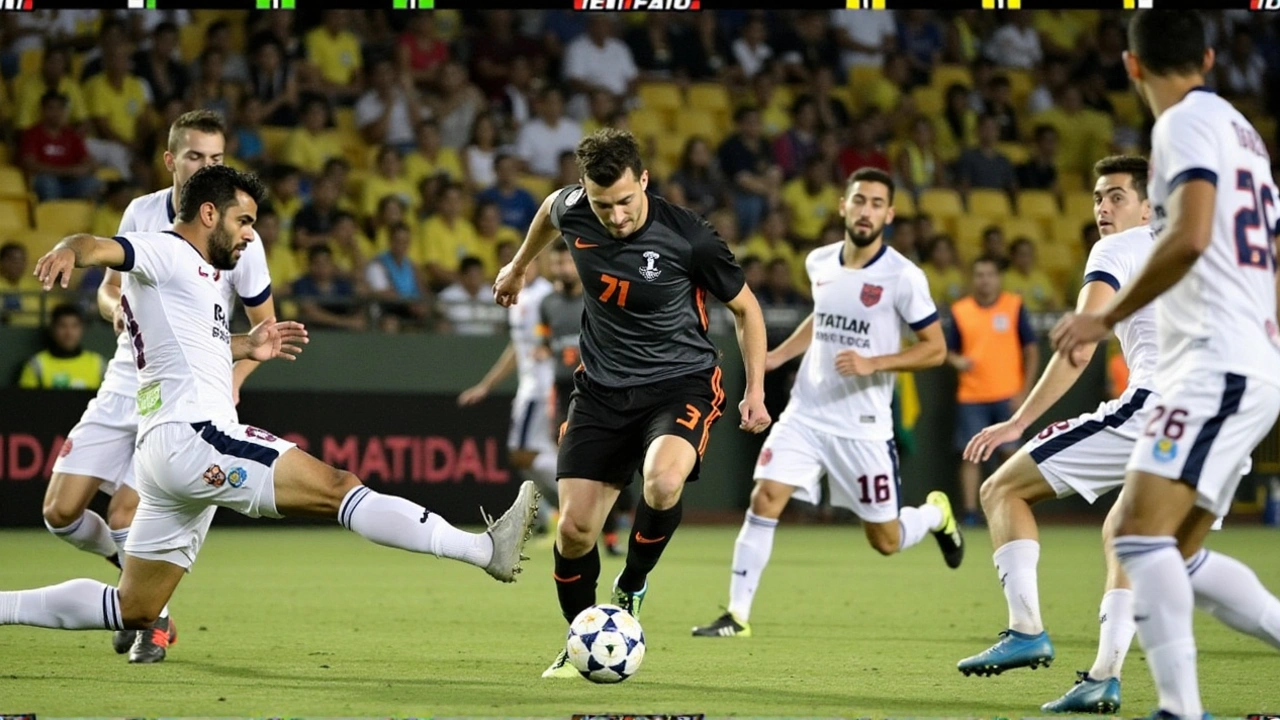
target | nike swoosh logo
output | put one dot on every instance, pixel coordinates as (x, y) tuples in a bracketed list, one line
[(823, 282), (581, 245), (566, 580), (743, 573), (646, 541)]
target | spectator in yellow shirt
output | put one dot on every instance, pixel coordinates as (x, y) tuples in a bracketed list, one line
[(286, 198), (811, 199), (446, 238), (64, 363), (947, 282), (491, 233), (55, 74), (335, 53), (389, 179), (19, 290), (118, 100), (1024, 277), (429, 157), (282, 262), (772, 242), (108, 213), (312, 144)]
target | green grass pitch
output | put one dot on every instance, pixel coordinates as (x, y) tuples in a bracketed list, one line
[(318, 622)]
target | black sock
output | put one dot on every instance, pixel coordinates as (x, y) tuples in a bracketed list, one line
[(649, 537), (576, 581), (611, 521)]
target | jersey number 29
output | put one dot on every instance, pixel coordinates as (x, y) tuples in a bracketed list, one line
[(131, 327), (1258, 215)]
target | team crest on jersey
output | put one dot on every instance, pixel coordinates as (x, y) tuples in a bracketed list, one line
[(1165, 450), (1000, 322), (66, 448), (214, 476), (765, 456), (236, 476), (259, 433), (871, 294), (648, 271), (573, 197)]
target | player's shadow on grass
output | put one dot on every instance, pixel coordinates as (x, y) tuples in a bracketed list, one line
[(810, 698)]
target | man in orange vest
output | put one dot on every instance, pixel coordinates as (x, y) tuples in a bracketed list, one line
[(993, 348)]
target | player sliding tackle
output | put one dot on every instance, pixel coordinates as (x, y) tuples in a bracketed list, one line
[(194, 455), (839, 421)]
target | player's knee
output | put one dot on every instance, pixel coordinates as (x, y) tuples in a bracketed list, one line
[(120, 514), (767, 501), (662, 488), (138, 613), (992, 492), (575, 535), (60, 513)]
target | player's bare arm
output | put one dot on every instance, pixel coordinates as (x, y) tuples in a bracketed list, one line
[(930, 350), (77, 251), (541, 233), (1058, 377), (270, 340), (244, 368), (109, 299), (1187, 235), (749, 321), (502, 368), (791, 348)]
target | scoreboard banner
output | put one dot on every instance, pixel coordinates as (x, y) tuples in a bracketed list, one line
[(638, 5), (425, 448)]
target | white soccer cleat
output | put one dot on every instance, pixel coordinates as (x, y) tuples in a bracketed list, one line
[(510, 532)]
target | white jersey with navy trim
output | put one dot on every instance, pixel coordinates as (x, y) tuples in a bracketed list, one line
[(863, 310), (250, 280), (1115, 260), (177, 318), (535, 376), (1222, 315)]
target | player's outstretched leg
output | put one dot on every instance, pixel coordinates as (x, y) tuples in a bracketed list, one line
[(1228, 590), (751, 554), (304, 486), (1007, 497)]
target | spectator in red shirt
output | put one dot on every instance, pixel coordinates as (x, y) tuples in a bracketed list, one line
[(862, 150), (420, 52), (55, 156)]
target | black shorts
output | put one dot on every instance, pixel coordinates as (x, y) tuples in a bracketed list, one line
[(609, 430), (564, 393)]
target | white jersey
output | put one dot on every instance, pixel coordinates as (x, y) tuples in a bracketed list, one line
[(1115, 260), (178, 321), (862, 310), (1222, 315), (154, 213), (535, 376)]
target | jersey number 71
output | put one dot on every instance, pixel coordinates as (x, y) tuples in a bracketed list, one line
[(1256, 216)]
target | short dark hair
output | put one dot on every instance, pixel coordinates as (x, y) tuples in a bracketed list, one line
[(397, 227), (343, 215), (66, 310), (870, 174), (988, 259), (205, 121), (1045, 129), (318, 250), (750, 261), (1168, 42), (1135, 166), (11, 247), (468, 263), (217, 184), (1018, 243), (52, 96), (605, 155)]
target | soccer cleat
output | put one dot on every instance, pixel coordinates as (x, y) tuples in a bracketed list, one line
[(949, 537), (122, 640), (629, 601), (724, 626), (510, 532), (1014, 650), (152, 644), (1088, 696), (561, 668)]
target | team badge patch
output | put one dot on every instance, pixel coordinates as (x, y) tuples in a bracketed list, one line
[(871, 294), (765, 456), (66, 448), (1165, 450), (259, 434), (648, 271), (236, 476), (214, 476), (573, 198)]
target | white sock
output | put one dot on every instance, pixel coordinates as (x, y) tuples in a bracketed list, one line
[(73, 605), (543, 473), (1115, 634), (750, 556), (1228, 590), (916, 522), (119, 537), (395, 522), (1016, 567), (90, 533), (1162, 608)]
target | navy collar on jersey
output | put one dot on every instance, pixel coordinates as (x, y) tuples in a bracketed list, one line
[(883, 248), (188, 242), (168, 206), (1203, 88)]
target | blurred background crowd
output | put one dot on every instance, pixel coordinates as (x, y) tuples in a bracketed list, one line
[(407, 151)]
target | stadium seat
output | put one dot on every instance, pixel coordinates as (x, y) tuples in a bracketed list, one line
[(12, 183), (710, 96), (537, 185), (1020, 85), (13, 217), (941, 203), (1016, 152), (668, 147), (647, 123), (861, 77), (1065, 230), (691, 121), (1078, 206), (944, 76), (29, 61), (1126, 104), (967, 233), (64, 217), (191, 41), (36, 241), (990, 203), (1037, 204), (903, 204), (661, 97), (1016, 227), (928, 101)]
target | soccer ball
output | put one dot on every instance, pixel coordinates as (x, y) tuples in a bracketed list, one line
[(606, 644)]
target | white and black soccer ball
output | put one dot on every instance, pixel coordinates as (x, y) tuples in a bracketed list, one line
[(606, 644)]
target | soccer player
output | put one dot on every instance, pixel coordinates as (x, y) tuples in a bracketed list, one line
[(193, 454), (98, 453), (649, 387), (1212, 278), (530, 446), (839, 421)]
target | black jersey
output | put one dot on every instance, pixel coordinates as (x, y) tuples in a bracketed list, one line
[(560, 320), (646, 312)]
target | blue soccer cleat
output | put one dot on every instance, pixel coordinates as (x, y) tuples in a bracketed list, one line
[(1014, 650), (629, 601), (1088, 696)]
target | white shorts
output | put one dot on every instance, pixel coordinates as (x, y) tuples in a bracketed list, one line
[(1087, 455), (101, 444), (862, 475), (1203, 432), (187, 471), (531, 425)]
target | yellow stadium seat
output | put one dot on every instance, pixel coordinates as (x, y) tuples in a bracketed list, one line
[(1016, 152), (37, 242), (990, 203), (1020, 85), (967, 232), (1128, 111), (273, 140), (660, 96), (64, 217), (29, 61), (1078, 206), (191, 41), (861, 76), (928, 101), (1037, 204), (12, 183), (1065, 230), (710, 96), (944, 76), (537, 185), (1062, 263), (903, 204), (16, 210), (691, 122), (941, 203), (647, 123), (1033, 230), (668, 148)]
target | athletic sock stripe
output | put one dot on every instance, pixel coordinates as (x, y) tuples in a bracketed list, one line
[(349, 507), (1134, 548), (1196, 561), (115, 608), (70, 528), (106, 614)]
